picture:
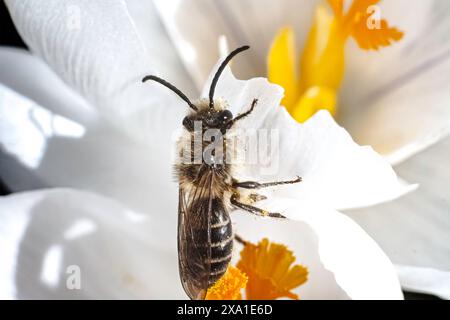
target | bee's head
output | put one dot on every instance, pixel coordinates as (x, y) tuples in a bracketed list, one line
[(210, 115), (208, 118), (218, 119)]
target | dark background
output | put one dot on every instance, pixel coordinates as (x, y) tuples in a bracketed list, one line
[(10, 37)]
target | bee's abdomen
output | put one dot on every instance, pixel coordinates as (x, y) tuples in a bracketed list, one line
[(221, 241)]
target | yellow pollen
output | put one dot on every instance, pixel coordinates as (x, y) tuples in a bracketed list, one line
[(229, 286), (270, 272)]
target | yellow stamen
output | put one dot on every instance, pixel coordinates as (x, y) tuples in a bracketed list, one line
[(282, 66), (229, 286), (270, 271), (314, 99), (337, 6), (322, 63)]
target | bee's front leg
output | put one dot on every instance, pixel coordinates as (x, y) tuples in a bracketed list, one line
[(242, 115)]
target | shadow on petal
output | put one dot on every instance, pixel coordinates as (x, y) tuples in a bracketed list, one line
[(116, 257), (42, 149)]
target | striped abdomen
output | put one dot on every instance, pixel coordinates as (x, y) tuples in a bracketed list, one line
[(205, 240), (221, 241)]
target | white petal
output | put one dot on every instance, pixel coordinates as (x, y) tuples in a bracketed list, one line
[(95, 48), (120, 253), (335, 170), (414, 230), (334, 167), (31, 77), (160, 48), (342, 259), (195, 27), (425, 280), (401, 122), (41, 148)]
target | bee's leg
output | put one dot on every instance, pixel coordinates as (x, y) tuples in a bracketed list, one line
[(242, 115), (254, 210), (240, 240), (257, 185)]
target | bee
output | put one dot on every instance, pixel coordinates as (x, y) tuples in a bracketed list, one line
[(208, 191)]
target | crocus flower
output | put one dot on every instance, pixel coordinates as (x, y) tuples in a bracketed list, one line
[(103, 132)]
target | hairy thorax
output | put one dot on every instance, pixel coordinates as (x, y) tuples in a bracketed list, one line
[(202, 149)]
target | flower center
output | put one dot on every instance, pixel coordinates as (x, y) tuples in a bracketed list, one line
[(322, 63)]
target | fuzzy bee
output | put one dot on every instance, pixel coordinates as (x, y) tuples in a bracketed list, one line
[(208, 191)]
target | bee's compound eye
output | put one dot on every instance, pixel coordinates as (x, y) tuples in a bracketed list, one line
[(226, 115), (188, 123)]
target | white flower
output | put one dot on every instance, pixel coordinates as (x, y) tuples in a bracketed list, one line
[(55, 138)]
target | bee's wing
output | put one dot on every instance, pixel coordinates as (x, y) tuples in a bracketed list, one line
[(194, 240)]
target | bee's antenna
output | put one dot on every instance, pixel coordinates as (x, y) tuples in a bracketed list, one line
[(219, 71), (171, 87)]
